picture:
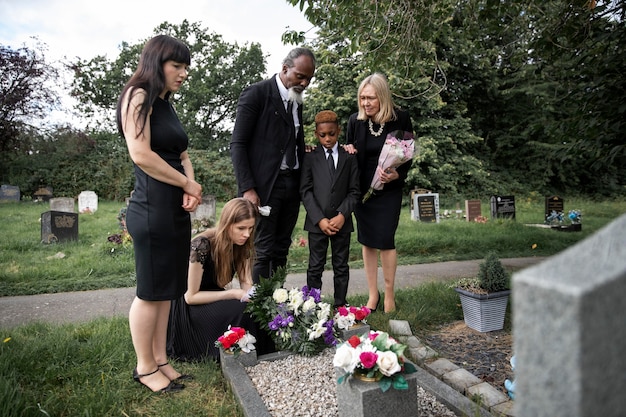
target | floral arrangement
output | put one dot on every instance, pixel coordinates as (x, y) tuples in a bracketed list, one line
[(398, 149), (347, 317), (375, 356), (236, 340), (297, 319), (575, 216)]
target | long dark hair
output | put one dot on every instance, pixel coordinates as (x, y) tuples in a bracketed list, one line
[(149, 75)]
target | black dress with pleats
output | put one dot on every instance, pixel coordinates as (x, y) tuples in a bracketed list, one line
[(193, 329)]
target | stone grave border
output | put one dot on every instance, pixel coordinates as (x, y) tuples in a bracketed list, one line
[(447, 382)]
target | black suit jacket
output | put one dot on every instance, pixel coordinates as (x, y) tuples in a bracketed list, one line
[(262, 129), (323, 197)]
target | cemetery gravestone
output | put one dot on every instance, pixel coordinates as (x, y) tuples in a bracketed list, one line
[(553, 203), (87, 202), (58, 226), (205, 210), (503, 207), (569, 333), (414, 192), (43, 194), (9, 193), (472, 210), (427, 208), (65, 204)]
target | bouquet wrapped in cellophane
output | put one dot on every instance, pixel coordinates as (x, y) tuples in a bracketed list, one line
[(398, 148)]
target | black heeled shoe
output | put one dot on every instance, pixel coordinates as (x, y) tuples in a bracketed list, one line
[(373, 310), (182, 377), (171, 387)]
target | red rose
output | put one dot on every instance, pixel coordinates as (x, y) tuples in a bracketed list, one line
[(354, 341), (368, 359)]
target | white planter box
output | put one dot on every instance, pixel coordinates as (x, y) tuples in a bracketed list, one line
[(484, 312)]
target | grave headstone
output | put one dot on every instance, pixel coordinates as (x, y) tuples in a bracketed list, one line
[(43, 194), (87, 202), (426, 207), (205, 210), (9, 193), (412, 199), (472, 210), (503, 207), (65, 204), (58, 226), (553, 203), (569, 333)]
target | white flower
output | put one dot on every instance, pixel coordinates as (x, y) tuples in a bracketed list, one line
[(308, 305), (246, 343), (280, 295), (388, 363), (295, 301), (344, 322), (317, 330), (346, 358), (324, 311)]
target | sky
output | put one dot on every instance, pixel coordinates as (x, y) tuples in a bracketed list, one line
[(85, 29)]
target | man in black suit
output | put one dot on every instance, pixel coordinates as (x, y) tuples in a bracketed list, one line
[(267, 148), (330, 191)]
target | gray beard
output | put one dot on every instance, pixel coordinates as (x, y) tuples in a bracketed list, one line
[(295, 96)]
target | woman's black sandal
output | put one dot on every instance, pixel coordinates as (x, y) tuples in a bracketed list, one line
[(171, 387)]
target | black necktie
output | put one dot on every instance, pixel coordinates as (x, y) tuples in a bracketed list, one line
[(290, 156), (331, 162)]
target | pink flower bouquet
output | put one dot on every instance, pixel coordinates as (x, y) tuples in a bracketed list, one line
[(398, 149), (347, 317)]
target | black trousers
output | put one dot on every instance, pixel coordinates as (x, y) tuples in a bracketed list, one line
[(340, 252), (273, 233)]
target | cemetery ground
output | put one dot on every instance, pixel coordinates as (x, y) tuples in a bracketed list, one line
[(85, 368)]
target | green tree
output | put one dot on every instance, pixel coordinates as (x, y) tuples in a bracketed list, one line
[(207, 101)]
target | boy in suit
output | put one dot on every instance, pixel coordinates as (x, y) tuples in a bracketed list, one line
[(329, 188)]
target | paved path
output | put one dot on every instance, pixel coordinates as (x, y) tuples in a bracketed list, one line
[(87, 305)]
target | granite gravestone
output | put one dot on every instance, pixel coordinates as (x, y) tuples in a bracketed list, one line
[(43, 194), (65, 204), (569, 331), (503, 207), (58, 226), (9, 193), (553, 203), (472, 210), (426, 208), (413, 193)]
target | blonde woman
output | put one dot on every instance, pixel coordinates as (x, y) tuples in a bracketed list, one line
[(377, 219)]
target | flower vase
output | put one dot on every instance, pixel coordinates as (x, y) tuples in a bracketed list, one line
[(357, 329), (356, 398), (361, 375)]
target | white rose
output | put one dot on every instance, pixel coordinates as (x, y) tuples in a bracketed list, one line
[(388, 363), (346, 358), (280, 295), (308, 304)]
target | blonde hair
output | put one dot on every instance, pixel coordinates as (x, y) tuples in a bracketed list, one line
[(226, 255), (383, 93)]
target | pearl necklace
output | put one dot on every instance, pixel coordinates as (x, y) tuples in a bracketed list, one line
[(371, 126)]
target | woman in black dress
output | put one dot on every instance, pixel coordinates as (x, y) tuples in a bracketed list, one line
[(207, 309), (158, 212), (377, 219)]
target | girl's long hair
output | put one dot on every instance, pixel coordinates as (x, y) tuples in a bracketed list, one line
[(149, 76), (383, 93), (228, 256)]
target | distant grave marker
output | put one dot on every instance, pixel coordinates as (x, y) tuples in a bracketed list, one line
[(58, 226), (503, 207), (553, 203), (87, 202), (9, 193), (472, 210), (65, 204), (426, 207)]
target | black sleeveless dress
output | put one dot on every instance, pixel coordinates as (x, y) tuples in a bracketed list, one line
[(159, 226), (193, 329)]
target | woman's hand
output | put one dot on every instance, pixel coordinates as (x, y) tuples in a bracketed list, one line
[(190, 203), (388, 175), (350, 149)]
